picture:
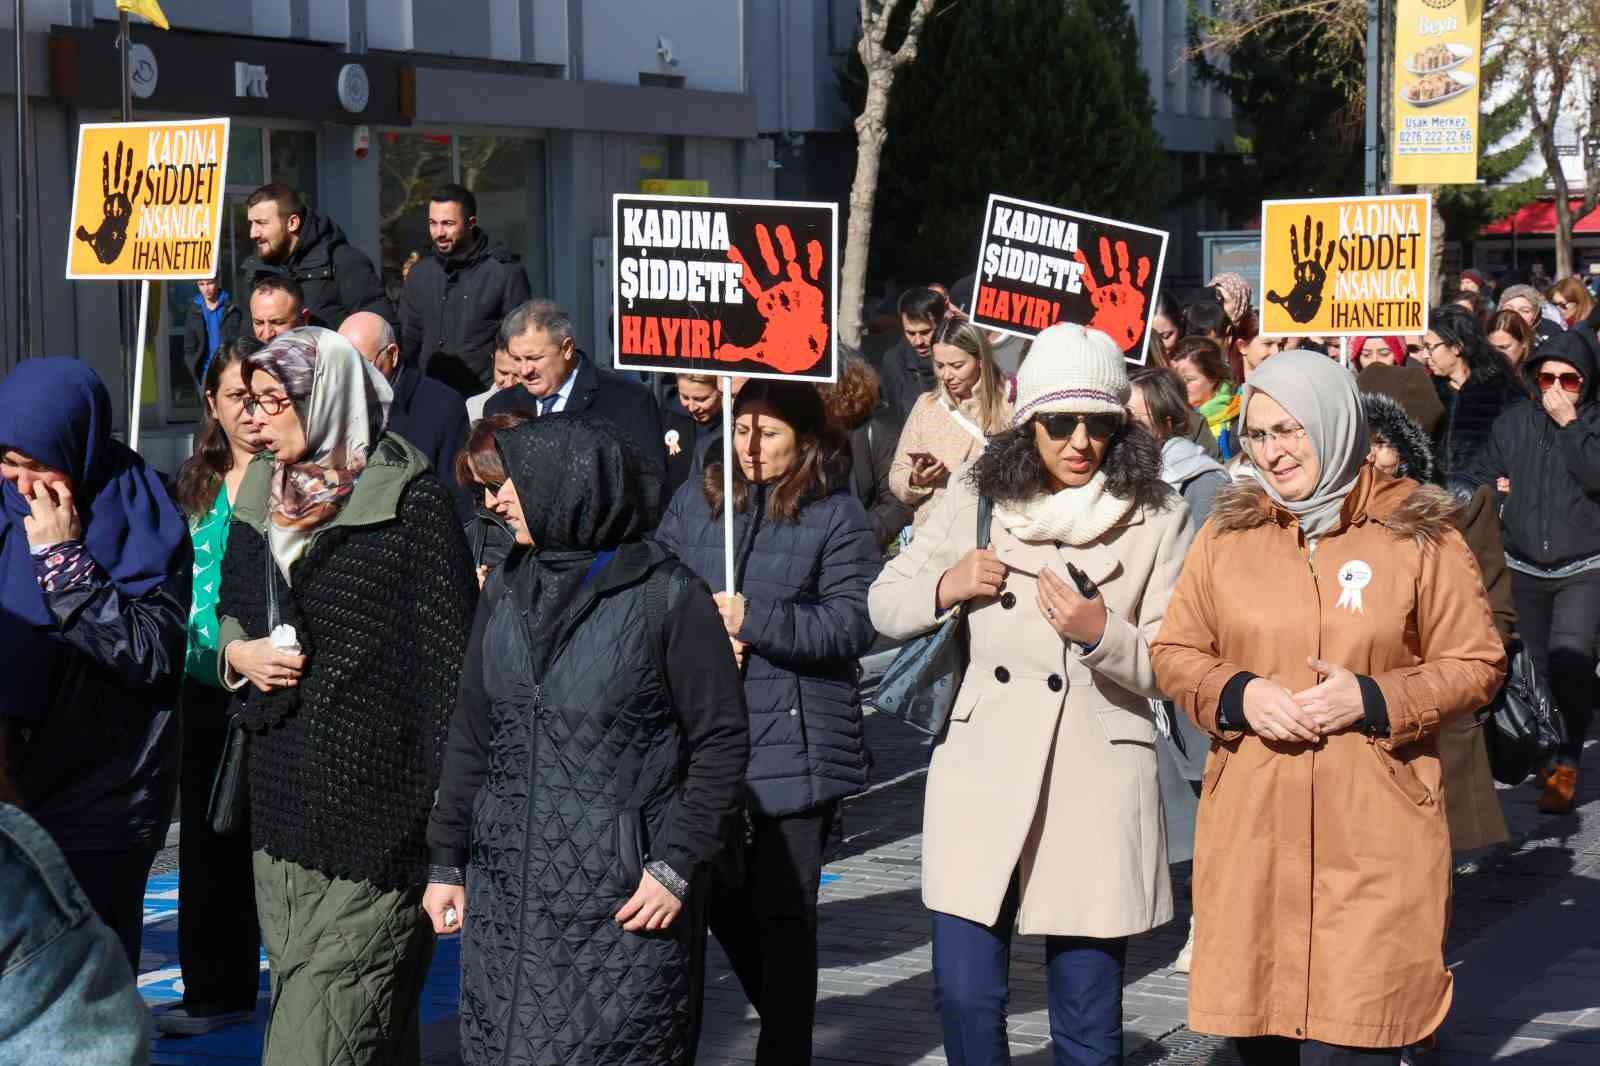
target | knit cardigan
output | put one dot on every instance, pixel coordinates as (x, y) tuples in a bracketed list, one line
[(343, 767)]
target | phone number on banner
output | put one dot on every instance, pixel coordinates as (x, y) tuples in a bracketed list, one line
[(1434, 136)]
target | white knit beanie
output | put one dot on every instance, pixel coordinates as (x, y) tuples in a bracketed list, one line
[(1070, 368)]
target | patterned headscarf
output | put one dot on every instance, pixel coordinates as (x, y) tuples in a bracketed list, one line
[(343, 404), (1234, 292)]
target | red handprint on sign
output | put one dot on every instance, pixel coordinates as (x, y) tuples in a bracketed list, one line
[(1119, 302), (797, 330)]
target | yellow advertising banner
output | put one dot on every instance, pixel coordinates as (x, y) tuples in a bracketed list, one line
[(147, 200), (1344, 267), (675, 187), (1434, 133)]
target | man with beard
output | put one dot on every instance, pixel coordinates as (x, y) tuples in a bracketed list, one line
[(455, 298), (295, 242)]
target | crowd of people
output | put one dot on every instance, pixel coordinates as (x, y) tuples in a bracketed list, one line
[(432, 636)]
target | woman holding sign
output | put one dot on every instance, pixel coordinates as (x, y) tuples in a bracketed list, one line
[(1328, 622), (950, 426), (1043, 812), (804, 557)]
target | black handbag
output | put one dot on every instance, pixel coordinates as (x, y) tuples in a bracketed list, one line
[(228, 807), (921, 685), (1522, 728)]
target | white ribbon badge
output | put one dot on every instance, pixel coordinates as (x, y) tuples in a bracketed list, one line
[(672, 438), (1353, 577)]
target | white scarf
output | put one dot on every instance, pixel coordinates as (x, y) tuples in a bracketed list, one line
[(1073, 516)]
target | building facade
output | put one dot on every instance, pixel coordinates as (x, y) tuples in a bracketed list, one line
[(544, 108)]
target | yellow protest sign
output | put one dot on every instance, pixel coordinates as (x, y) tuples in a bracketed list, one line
[(147, 200), (1438, 48), (675, 186), (1343, 267)]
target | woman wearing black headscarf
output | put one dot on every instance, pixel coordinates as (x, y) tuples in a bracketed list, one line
[(94, 594), (594, 768)]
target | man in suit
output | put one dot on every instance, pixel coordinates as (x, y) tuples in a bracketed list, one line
[(553, 376), (432, 416)]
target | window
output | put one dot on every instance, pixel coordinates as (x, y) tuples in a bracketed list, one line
[(506, 174)]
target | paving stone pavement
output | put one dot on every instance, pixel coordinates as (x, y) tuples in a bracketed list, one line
[(1524, 945)]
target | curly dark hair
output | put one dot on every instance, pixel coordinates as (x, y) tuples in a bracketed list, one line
[(1010, 471), (1459, 328)]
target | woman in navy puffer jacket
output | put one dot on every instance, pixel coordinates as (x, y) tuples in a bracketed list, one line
[(804, 559)]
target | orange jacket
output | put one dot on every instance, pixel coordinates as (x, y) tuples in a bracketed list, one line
[(1322, 871)]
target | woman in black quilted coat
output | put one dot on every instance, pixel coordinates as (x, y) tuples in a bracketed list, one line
[(804, 559), (593, 769), (1474, 385)]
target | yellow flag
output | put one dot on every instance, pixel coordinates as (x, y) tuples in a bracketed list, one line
[(150, 9)]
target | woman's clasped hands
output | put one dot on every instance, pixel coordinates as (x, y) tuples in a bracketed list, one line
[(1331, 706)]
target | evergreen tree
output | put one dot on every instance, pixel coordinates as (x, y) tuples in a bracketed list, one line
[(1039, 99)]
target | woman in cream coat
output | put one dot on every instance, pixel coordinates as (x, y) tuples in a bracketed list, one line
[(1043, 812)]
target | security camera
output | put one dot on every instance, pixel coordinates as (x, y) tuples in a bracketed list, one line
[(666, 52)]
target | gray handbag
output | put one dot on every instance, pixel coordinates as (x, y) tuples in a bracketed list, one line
[(921, 685)]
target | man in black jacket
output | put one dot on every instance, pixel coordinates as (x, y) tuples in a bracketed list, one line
[(426, 413), (908, 366), (455, 299), (554, 376), (338, 280)]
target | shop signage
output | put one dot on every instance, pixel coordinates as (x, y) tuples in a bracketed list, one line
[(1039, 265), (1438, 51), (729, 287), (246, 77), (1344, 267), (147, 200)]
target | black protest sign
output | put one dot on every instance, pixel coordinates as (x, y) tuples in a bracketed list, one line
[(703, 286), (1039, 265)]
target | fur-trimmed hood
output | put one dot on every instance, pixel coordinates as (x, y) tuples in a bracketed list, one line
[(1423, 513), (1389, 422)]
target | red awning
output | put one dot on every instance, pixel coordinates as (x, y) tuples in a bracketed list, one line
[(1539, 218)]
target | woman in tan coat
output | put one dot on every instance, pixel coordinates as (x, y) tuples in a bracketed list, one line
[(1043, 811), (948, 427), (1328, 622)]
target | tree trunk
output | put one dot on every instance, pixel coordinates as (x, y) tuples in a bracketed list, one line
[(870, 135)]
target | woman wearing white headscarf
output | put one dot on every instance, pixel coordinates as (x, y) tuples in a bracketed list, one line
[(1327, 622), (347, 699)]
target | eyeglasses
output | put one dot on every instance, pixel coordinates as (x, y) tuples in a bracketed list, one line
[(1429, 348), (1569, 381), (271, 404), (1061, 425), (1559, 304), (1282, 436)]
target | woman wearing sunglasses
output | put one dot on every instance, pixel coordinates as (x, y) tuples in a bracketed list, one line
[(1043, 813), (1550, 452), (1328, 621), (1572, 300)]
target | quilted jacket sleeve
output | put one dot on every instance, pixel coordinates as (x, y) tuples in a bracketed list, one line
[(835, 624), (708, 698), (141, 638)]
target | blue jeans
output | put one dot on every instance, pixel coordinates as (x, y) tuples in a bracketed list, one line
[(971, 987), (69, 992)]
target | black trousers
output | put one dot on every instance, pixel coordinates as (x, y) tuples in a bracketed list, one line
[(219, 942), (1559, 619), (1283, 1051), (114, 882), (768, 927)]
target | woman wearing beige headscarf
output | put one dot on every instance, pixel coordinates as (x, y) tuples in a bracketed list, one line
[(347, 597), (1328, 621)]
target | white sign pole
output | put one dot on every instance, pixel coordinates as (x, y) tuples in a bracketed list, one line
[(138, 365), (1344, 352), (727, 484)]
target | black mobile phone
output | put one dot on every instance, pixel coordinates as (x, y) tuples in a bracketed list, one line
[(1086, 588)]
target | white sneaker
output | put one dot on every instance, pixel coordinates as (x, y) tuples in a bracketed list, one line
[(1185, 956)]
